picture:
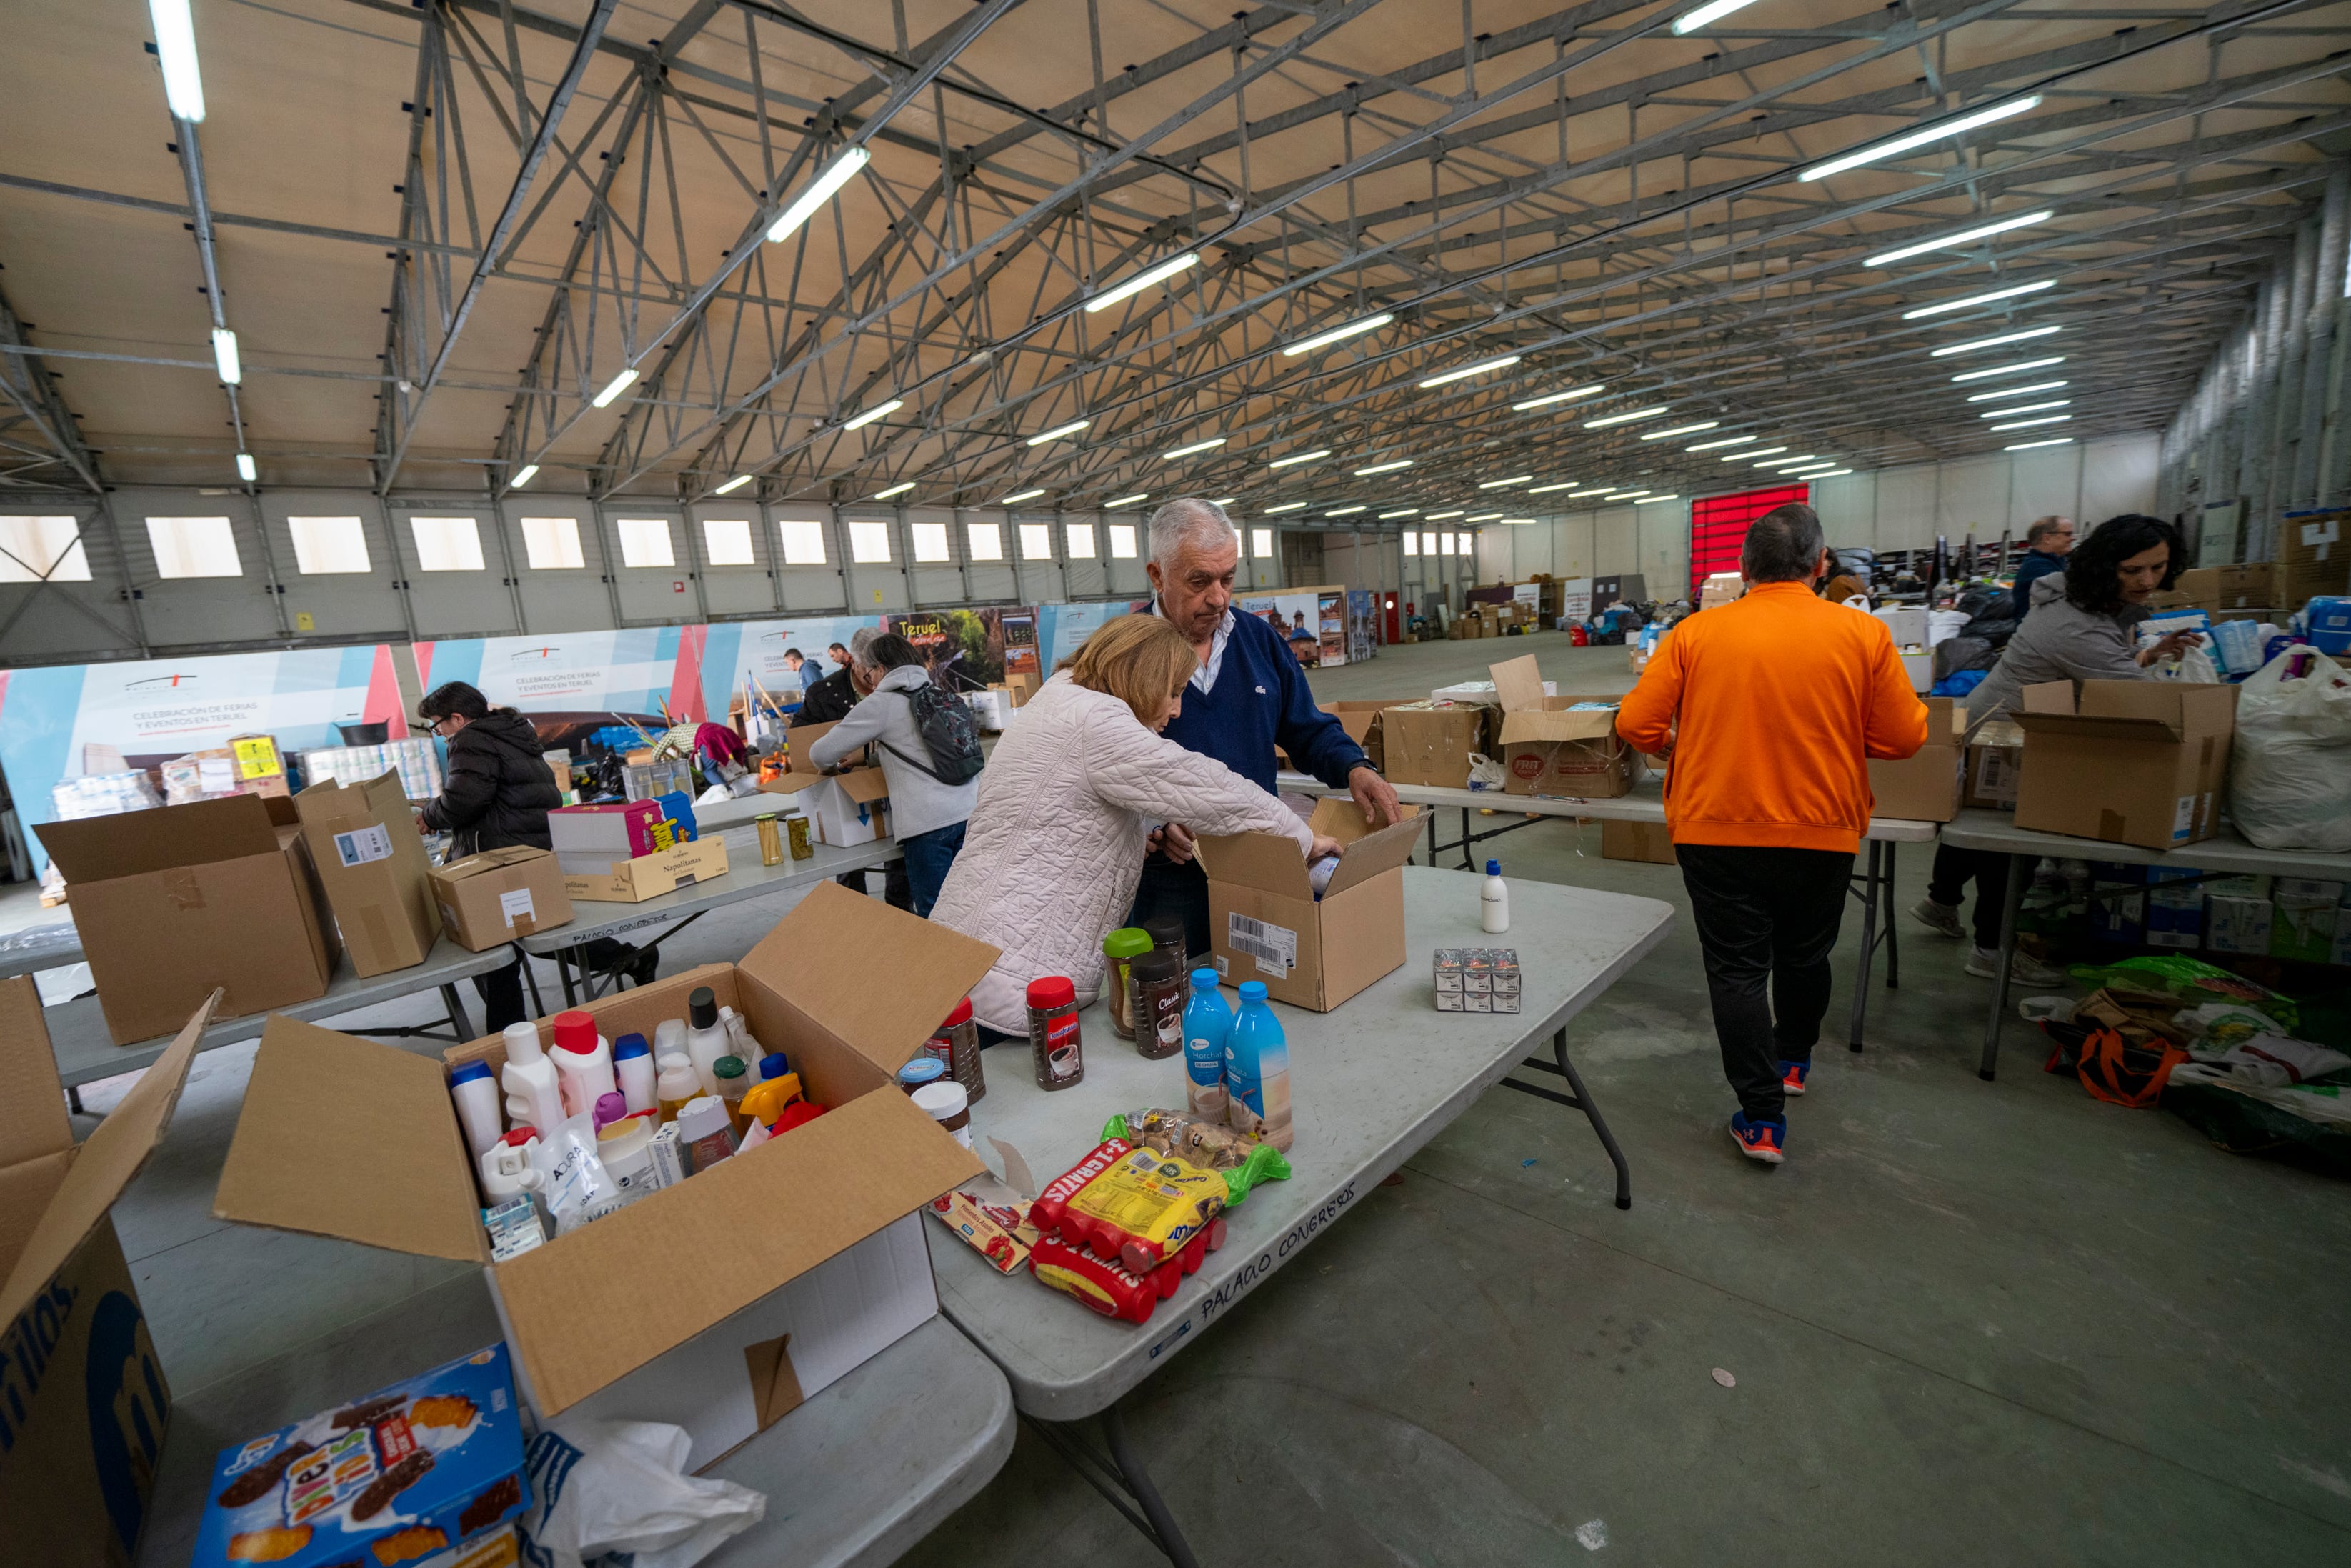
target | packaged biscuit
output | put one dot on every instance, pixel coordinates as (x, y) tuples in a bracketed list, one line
[(1242, 1160), (1133, 1204), (427, 1472), (1113, 1289)]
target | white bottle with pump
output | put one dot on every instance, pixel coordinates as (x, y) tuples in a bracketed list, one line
[(534, 1098), (705, 1037), (1494, 901), (738, 1034)]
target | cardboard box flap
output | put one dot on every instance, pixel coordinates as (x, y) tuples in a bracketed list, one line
[(672, 1265), (1270, 863), (1518, 683), (2098, 727), (344, 1137), (1942, 726), (2048, 697), (330, 803), (96, 849), (487, 861), (111, 1158), (863, 785), (1374, 853), (803, 738), (31, 1104), (791, 783), (828, 953), (1540, 724), (2190, 705)]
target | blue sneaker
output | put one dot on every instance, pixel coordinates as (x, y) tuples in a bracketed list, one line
[(1791, 1076), (1762, 1139)]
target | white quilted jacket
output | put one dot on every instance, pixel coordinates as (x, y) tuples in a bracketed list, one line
[(1053, 851)]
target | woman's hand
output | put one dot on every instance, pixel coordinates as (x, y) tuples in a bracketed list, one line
[(1325, 846), (2170, 647)]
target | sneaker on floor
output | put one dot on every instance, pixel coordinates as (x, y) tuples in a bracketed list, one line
[(1791, 1076), (2024, 970), (1764, 1138), (1943, 919)]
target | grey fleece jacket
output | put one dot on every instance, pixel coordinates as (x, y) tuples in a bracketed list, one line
[(2059, 641), (918, 802)]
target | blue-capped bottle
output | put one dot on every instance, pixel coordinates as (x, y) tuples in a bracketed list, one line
[(1257, 1071), (1207, 1021)]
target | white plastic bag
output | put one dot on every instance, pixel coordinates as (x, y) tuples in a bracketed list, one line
[(617, 1489), (2289, 784), (1485, 773)]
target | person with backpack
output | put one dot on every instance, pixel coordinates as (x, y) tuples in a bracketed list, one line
[(928, 745)]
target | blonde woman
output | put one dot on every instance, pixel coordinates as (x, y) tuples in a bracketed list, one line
[(1054, 847)]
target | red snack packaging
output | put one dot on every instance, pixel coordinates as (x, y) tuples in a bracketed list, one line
[(1135, 1204), (1111, 1289)]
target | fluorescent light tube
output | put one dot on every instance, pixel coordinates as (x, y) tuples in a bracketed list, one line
[(1652, 500), (1748, 457), (1141, 281), (893, 490), (1319, 452), (1893, 145), (2029, 446), (1948, 349), (856, 421), (1964, 237), (2029, 423), (1624, 495), (1484, 518), (1224, 500), (1020, 495), (1940, 307), (837, 174), (1726, 441), (1625, 418), (614, 388), (1384, 468), (1407, 512), (1547, 489), (1285, 507), (1124, 501), (1187, 451), (1712, 11), (1342, 511), (1479, 369), (1598, 490), (1518, 522), (2026, 408), (1791, 462), (225, 360), (1681, 430), (1499, 484), (1549, 398), (175, 50), (2010, 370), (733, 485), (1059, 430), (1441, 517), (2014, 392), (1340, 334), (523, 475), (245, 469)]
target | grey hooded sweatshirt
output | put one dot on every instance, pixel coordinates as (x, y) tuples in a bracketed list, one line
[(2060, 641)]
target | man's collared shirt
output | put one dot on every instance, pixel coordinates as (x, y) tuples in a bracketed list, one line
[(1204, 677)]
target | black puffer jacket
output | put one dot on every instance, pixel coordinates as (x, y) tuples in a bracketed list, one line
[(499, 789), (827, 702)]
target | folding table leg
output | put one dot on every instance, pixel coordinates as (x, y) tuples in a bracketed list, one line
[(1122, 1481), (459, 1022), (531, 979), (1886, 923), (1860, 1013), (1580, 1100), (2019, 868)]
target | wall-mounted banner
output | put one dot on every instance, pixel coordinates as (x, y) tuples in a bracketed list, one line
[(970, 650), (152, 711), (582, 674), (737, 648), (1312, 622), (1062, 628)]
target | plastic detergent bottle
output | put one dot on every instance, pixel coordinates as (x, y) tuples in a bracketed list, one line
[(676, 1083), (506, 1167), (765, 1100), (583, 1060), (633, 1064), (1256, 1069), (705, 1037), (1494, 901), (626, 1148), (533, 1097), (476, 1094), (1207, 1021), (669, 1035), (738, 1036)]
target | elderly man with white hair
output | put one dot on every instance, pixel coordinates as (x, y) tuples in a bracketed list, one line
[(1248, 697)]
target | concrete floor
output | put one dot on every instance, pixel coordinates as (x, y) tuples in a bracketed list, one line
[(1995, 1323)]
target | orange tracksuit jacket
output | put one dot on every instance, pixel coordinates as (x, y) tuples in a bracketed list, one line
[(1772, 704)]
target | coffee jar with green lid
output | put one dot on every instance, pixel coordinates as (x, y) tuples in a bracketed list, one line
[(1120, 946)]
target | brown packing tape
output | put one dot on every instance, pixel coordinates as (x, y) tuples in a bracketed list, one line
[(775, 1386)]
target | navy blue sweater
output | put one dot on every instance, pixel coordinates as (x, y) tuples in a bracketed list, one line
[(2036, 566), (1260, 701)]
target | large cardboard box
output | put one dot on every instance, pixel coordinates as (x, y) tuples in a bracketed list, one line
[(718, 1305), (1361, 720), (372, 864), (500, 894), (1429, 743), (2135, 762), (1924, 788), (83, 1402), (1650, 841), (172, 903), (642, 877), (1559, 746), (1995, 758), (1265, 923), (846, 808)]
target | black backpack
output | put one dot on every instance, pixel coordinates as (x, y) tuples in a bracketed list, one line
[(949, 734)]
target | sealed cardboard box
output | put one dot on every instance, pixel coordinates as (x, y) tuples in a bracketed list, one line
[(2237, 923), (846, 809), (1995, 759), (500, 894), (1265, 923), (172, 903), (2136, 762), (635, 880), (718, 1304), (1925, 786), (373, 867), (83, 1402), (1559, 746), (1429, 743), (1650, 841)]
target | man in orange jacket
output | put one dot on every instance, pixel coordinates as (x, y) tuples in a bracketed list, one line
[(1769, 707)]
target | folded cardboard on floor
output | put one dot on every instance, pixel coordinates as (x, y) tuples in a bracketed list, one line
[(1265, 923), (1925, 786), (718, 1304), (83, 1401), (2133, 762), (172, 903), (372, 864), (499, 894), (640, 877), (1563, 746)]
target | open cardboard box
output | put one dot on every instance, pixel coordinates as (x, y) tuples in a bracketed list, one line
[(2134, 762), (83, 1402), (718, 1305), (1925, 786), (642, 877), (846, 808), (1265, 923), (172, 903), (1549, 749)]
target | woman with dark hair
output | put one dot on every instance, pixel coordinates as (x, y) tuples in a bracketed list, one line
[(927, 812), (2083, 627), (497, 792)]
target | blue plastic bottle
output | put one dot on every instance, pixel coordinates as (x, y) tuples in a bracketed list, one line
[(1207, 1021), (1256, 1069)]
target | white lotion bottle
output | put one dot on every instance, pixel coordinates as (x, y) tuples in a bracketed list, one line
[(534, 1097), (476, 1094), (1494, 901)]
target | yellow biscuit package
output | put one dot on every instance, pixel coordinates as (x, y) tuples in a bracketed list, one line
[(1131, 1204)]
